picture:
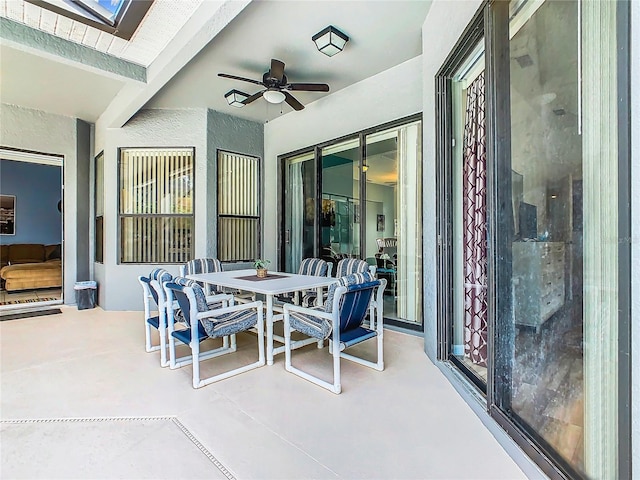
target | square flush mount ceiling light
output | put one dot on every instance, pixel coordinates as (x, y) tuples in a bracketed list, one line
[(235, 98), (330, 40)]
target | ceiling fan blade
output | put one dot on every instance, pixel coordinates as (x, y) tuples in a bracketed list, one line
[(295, 104), (226, 75), (253, 97), (277, 69), (309, 87)]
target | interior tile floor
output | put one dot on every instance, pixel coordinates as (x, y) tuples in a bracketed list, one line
[(80, 398)]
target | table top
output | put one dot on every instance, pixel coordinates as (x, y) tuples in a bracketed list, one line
[(283, 283)]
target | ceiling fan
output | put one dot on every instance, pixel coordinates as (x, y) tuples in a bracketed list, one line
[(276, 86)]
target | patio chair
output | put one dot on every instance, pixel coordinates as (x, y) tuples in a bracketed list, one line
[(207, 321), (340, 320), (347, 266), (154, 299), (309, 266), (212, 265), (203, 265)]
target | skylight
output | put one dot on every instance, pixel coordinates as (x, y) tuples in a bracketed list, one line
[(118, 17)]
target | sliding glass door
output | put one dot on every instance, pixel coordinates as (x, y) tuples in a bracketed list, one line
[(531, 222), (340, 208), (299, 209), (360, 197)]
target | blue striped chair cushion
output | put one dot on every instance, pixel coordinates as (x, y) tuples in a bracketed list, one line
[(348, 266), (161, 275), (309, 266), (204, 265), (230, 323), (201, 300), (309, 325), (313, 266), (345, 281)]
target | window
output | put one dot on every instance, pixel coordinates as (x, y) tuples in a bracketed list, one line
[(238, 207), (156, 205), (117, 17), (99, 209)]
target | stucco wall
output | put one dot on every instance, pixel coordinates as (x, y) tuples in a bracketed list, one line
[(230, 134), (203, 129), (38, 131), (118, 285)]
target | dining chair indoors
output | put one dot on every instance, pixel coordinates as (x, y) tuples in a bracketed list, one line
[(213, 321), (154, 299), (341, 321)]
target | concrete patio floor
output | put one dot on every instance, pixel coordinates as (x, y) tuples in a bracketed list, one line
[(80, 398)]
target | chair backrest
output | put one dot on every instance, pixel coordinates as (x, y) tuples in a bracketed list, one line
[(351, 295), (313, 266), (347, 266), (181, 289), (388, 245), (154, 283), (352, 279), (202, 265)]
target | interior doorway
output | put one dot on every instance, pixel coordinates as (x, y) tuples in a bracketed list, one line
[(31, 230)]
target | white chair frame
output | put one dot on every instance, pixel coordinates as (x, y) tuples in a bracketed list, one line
[(196, 357), (162, 320), (375, 308)]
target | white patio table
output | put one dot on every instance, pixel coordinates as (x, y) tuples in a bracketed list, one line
[(275, 283)]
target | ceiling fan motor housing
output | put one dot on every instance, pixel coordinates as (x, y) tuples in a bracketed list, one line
[(273, 82)]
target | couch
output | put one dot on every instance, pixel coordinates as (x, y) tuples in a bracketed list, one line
[(25, 266)]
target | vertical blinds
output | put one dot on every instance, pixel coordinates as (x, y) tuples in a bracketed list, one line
[(156, 205), (238, 207)]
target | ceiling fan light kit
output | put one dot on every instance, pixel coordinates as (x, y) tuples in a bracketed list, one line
[(235, 98), (276, 88), (273, 95), (330, 40)]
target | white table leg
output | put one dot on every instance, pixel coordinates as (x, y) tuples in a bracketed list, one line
[(269, 329)]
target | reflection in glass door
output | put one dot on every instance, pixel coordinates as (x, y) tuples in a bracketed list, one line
[(299, 210), (335, 222), (392, 231), (560, 354), (339, 218)]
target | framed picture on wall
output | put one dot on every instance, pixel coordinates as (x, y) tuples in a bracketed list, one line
[(380, 223), (7, 214)]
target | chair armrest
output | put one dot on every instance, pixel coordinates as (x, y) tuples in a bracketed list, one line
[(219, 297), (308, 311), (236, 308)]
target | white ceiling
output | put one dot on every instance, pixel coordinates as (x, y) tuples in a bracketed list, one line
[(382, 34)]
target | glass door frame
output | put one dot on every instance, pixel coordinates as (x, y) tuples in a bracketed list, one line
[(317, 149), (492, 21)]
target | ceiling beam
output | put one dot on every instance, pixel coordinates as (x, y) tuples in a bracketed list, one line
[(36, 42), (203, 26)]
